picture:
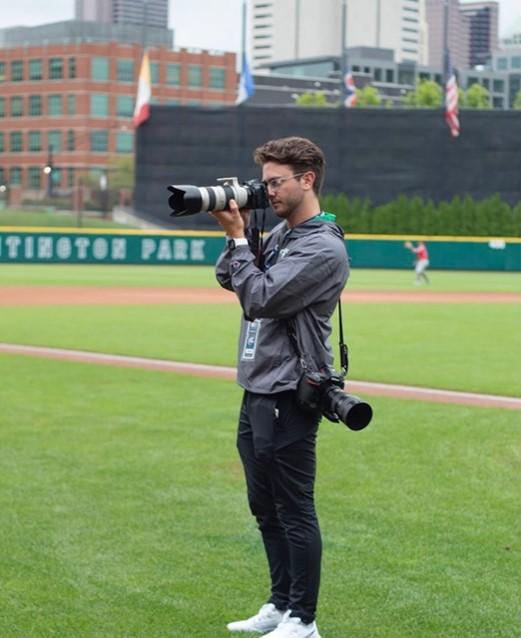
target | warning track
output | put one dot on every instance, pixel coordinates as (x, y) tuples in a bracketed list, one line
[(221, 372)]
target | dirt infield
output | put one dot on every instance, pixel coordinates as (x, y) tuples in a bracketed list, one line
[(64, 295)]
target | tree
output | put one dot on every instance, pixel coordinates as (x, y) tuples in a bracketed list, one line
[(427, 94), (121, 173), (517, 101), (368, 96), (314, 98), (477, 97)]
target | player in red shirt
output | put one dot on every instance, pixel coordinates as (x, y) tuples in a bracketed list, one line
[(421, 262)]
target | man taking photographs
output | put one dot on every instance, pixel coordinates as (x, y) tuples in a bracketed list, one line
[(297, 281)]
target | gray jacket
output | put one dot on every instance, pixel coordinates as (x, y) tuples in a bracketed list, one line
[(306, 269)]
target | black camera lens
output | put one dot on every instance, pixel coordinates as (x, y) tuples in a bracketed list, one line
[(187, 199), (351, 410)]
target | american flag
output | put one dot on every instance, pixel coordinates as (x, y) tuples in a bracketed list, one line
[(451, 105), (350, 90)]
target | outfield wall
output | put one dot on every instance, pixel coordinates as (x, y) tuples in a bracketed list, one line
[(372, 153), (92, 246)]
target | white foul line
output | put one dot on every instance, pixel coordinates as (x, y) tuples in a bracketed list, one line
[(224, 372)]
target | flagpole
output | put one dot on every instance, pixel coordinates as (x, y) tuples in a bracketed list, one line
[(343, 49), (445, 41), (243, 36)]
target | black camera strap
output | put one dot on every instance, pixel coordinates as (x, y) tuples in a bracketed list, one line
[(344, 351), (256, 236)]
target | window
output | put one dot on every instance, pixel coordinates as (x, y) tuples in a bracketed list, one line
[(378, 75), (35, 105), (35, 70), (15, 142), (125, 71), (15, 175), (124, 106), (502, 64), (55, 69), (99, 105), (56, 176), (34, 176), (173, 74), (72, 68), (2, 71), (499, 86), (35, 141), (16, 106), (71, 105), (100, 69), (71, 142), (2, 106), (516, 61), (2, 175), (54, 105), (217, 77), (99, 141), (154, 72), (389, 75), (17, 70), (195, 75), (54, 140), (70, 177), (2, 145), (124, 142)]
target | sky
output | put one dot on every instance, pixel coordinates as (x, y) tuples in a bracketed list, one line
[(204, 24)]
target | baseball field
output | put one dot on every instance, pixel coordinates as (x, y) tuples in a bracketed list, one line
[(122, 504)]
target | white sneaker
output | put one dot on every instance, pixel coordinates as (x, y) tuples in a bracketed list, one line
[(292, 627), (267, 619)]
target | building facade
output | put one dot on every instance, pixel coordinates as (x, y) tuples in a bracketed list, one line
[(152, 13), (287, 29), (283, 83), (483, 20), (71, 105), (457, 37)]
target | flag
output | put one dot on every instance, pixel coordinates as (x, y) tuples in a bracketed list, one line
[(144, 93), (350, 90), (451, 104), (246, 84)]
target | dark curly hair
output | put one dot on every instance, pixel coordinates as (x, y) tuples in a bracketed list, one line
[(298, 152)]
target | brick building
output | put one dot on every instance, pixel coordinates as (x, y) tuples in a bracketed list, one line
[(70, 105)]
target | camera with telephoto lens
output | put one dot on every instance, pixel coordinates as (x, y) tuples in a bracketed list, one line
[(190, 200), (323, 391)]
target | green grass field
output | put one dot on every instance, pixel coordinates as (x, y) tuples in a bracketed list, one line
[(50, 218), (122, 501)]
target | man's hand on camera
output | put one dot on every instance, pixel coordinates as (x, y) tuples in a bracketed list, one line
[(233, 220)]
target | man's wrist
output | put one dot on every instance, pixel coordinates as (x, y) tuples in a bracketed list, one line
[(235, 242)]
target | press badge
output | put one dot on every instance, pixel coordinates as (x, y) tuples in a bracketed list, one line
[(250, 342)]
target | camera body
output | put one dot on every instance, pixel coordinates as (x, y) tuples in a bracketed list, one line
[(190, 200), (323, 392)]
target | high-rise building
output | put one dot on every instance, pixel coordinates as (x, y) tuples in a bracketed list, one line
[(287, 29), (153, 13), (458, 34), (483, 20)]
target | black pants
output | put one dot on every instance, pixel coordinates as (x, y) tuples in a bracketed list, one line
[(281, 497)]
